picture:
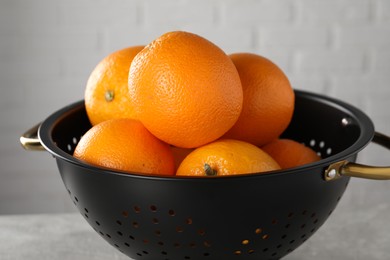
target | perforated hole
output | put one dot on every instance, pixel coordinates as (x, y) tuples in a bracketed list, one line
[(179, 229), (245, 242), (137, 209), (201, 232), (320, 147), (171, 213), (207, 244)]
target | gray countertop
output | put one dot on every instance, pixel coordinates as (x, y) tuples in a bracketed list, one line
[(358, 229)]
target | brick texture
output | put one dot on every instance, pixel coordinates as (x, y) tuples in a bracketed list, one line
[(48, 48)]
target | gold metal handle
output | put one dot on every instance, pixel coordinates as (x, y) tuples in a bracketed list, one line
[(30, 140), (345, 168)]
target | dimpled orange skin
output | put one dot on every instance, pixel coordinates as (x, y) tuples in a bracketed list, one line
[(226, 157), (106, 93), (186, 89), (125, 145), (268, 100), (289, 153)]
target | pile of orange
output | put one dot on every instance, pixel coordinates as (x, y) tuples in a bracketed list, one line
[(180, 105)]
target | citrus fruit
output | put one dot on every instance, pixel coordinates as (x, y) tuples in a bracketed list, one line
[(268, 100), (106, 93), (226, 157), (126, 145), (186, 89), (289, 153)]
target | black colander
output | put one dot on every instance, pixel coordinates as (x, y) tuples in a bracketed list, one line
[(256, 216)]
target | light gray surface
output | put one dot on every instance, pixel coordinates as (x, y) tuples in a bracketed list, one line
[(347, 235)]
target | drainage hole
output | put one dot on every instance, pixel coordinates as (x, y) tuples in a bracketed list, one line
[(137, 209)]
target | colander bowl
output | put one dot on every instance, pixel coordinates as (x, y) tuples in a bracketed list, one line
[(253, 216)]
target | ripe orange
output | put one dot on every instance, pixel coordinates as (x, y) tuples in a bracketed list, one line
[(226, 157), (186, 89), (125, 145), (289, 153), (106, 93), (268, 100)]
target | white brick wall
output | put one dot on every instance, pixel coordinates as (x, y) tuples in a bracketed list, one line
[(48, 48)]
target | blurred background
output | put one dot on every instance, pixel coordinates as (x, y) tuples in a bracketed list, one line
[(49, 47)]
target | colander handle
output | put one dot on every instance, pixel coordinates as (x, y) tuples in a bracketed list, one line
[(345, 168), (30, 140)]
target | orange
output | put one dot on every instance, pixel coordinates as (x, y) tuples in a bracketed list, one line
[(268, 100), (186, 89), (226, 157), (125, 145), (289, 153), (106, 93)]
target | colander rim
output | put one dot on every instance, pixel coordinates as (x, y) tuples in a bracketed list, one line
[(366, 134)]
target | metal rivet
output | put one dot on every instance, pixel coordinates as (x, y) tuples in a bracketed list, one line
[(346, 121), (332, 174)]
